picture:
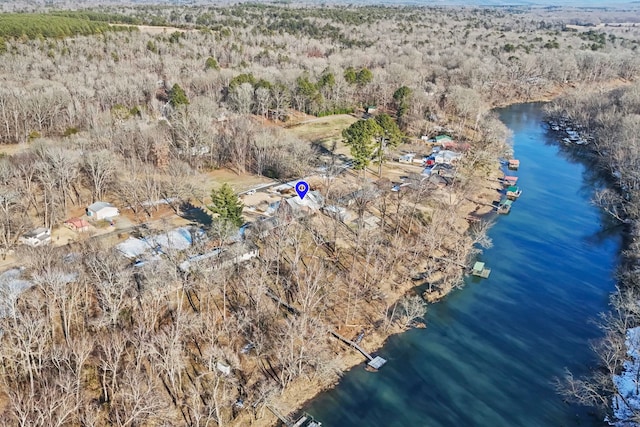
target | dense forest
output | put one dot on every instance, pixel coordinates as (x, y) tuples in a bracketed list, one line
[(151, 113), (33, 26)]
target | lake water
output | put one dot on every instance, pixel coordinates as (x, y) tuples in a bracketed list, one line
[(491, 350)]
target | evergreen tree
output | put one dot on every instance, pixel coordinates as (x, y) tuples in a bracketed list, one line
[(360, 137), (388, 135), (364, 77), (226, 204), (350, 75), (177, 96), (402, 97), (211, 64)]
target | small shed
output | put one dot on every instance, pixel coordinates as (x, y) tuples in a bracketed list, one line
[(77, 224), (102, 210), (370, 109)]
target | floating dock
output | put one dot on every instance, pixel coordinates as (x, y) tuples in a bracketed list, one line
[(513, 192), (509, 180), (514, 164), (504, 207), (374, 363), (480, 270)]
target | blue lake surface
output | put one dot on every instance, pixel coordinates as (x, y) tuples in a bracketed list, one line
[(491, 350)]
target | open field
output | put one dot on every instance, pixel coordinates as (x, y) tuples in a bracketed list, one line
[(324, 131)]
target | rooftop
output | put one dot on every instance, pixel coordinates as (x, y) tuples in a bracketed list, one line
[(99, 205)]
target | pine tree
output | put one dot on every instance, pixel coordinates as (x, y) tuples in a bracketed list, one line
[(226, 204), (360, 139), (402, 96), (389, 135), (211, 64), (177, 96)]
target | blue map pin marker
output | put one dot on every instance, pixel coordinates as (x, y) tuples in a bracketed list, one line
[(302, 188)]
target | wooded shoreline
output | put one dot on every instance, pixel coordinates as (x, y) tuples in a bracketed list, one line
[(156, 123)]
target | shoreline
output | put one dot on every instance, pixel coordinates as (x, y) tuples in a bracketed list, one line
[(298, 395), (301, 391)]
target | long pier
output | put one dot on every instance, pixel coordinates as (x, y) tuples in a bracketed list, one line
[(374, 362)]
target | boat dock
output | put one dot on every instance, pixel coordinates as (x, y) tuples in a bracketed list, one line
[(504, 207), (509, 180), (374, 363), (305, 420), (513, 192), (480, 270)]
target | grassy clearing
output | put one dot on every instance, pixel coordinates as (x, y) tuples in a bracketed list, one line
[(325, 131), (322, 128)]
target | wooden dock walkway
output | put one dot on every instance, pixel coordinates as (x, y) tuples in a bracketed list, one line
[(374, 362)]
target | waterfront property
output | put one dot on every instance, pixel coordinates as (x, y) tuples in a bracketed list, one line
[(509, 180), (480, 270), (373, 364), (504, 207), (529, 307), (513, 192), (307, 420)]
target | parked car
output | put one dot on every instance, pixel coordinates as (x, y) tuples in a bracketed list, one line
[(250, 192)]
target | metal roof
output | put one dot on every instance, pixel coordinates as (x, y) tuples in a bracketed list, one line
[(478, 265), (97, 206)]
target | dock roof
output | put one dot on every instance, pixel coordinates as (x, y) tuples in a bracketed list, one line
[(377, 362)]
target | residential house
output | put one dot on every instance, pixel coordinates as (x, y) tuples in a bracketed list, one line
[(102, 210), (446, 157), (311, 203), (441, 139), (177, 239), (295, 206), (38, 237), (77, 224), (407, 158)]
